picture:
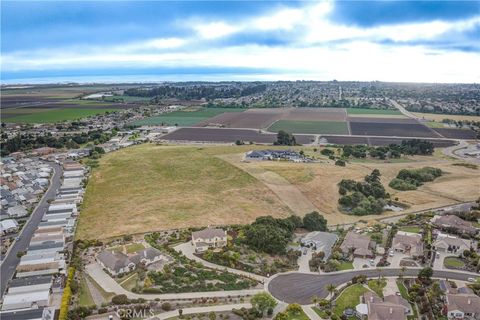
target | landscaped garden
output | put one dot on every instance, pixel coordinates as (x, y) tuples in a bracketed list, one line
[(453, 262), (349, 298)]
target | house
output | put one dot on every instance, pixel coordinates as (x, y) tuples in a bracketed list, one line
[(323, 241), (455, 223), (209, 238), (150, 255), (359, 245), (463, 306), (449, 243), (24, 300), (8, 226), (392, 307), (115, 262), (408, 243), (17, 212)]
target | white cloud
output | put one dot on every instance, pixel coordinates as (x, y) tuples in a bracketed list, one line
[(213, 30), (306, 57)]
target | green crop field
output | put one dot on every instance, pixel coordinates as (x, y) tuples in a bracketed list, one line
[(315, 127), (185, 117), (56, 115), (354, 111)]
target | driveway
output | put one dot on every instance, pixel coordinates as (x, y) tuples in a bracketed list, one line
[(438, 263), (358, 263), (391, 287), (10, 262), (96, 272), (187, 249), (395, 260), (304, 259)]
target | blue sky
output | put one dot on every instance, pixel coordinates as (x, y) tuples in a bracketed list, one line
[(418, 41)]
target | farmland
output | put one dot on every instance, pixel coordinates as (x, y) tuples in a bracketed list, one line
[(186, 117), (146, 188), (227, 136), (392, 129), (54, 115), (315, 127), (359, 111)]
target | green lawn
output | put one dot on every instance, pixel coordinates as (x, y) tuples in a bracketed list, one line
[(84, 296), (130, 282), (434, 124), (57, 115), (412, 229), (314, 127), (344, 265), (377, 286), (453, 262), (299, 316), (134, 247), (353, 111), (185, 117), (321, 313), (349, 298)]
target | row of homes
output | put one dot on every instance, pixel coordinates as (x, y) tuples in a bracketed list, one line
[(361, 246), (22, 181), (37, 287)]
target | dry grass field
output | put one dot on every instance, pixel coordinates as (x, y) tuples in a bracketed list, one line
[(318, 183), (147, 187), (439, 117)]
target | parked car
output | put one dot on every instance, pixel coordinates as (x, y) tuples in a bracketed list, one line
[(372, 262), (471, 279)]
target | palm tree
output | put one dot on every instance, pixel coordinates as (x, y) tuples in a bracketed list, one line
[(402, 272), (331, 289), (315, 300)]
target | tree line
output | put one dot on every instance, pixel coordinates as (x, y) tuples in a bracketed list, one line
[(29, 141)]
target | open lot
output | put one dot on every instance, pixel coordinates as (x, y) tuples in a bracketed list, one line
[(314, 127), (227, 136), (318, 183), (147, 187)]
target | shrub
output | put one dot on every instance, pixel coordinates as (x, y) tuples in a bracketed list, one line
[(166, 306), (120, 299), (67, 295)]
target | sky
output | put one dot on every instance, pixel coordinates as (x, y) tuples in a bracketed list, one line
[(397, 41)]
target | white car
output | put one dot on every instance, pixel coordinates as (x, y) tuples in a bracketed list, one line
[(391, 254), (471, 279)]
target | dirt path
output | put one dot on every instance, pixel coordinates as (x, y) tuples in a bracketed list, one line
[(290, 195)]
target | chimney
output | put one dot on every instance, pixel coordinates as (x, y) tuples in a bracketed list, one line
[(469, 301), (371, 299), (391, 310)]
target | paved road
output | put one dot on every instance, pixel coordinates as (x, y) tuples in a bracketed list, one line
[(9, 264), (403, 110), (96, 272), (300, 287)]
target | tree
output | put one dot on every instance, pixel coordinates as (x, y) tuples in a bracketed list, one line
[(313, 221), (331, 289), (263, 301), (212, 315), (281, 316), (426, 273), (285, 139), (294, 308)]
